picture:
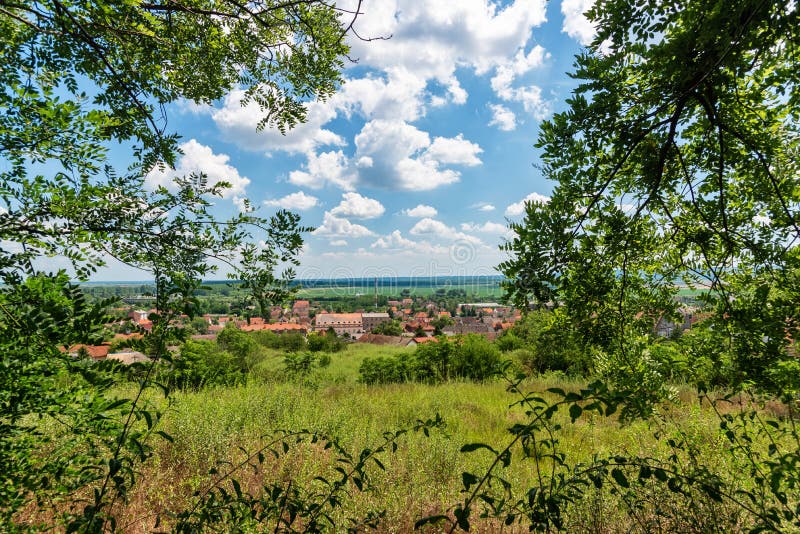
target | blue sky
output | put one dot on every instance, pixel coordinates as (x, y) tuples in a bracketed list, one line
[(415, 166)]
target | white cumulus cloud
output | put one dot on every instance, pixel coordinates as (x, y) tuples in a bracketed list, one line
[(323, 169), (421, 211), (338, 227), (239, 123), (397, 243), (433, 38), (529, 96), (360, 207), (428, 226), (400, 95), (199, 158), (576, 25), (483, 206), (402, 157), (503, 118), (518, 208), (294, 201), (454, 150), (393, 240), (485, 228)]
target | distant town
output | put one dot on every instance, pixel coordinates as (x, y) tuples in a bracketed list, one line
[(354, 316)]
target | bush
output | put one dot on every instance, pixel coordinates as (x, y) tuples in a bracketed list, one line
[(552, 342), (241, 345), (432, 361), (200, 364), (323, 360), (509, 341), (300, 364), (475, 358), (471, 356), (384, 370), (291, 342), (325, 342), (268, 339), (391, 328)]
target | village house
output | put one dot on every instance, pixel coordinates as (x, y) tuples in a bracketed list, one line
[(300, 308), (373, 320), (342, 323), (137, 315), (665, 326), (483, 308), (469, 325), (95, 352), (278, 328)]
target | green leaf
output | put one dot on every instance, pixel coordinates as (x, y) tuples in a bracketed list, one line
[(575, 412), (471, 447), (430, 520), (619, 477), (645, 472), (462, 517), (468, 479)]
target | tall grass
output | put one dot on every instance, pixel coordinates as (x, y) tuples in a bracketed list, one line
[(423, 477)]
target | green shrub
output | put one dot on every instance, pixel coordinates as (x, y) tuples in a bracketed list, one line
[(291, 342), (508, 341), (471, 356), (201, 363), (391, 328), (384, 370), (265, 338), (325, 342), (552, 341), (241, 345), (323, 360), (300, 364), (431, 361)]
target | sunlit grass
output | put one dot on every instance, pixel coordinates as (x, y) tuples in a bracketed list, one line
[(423, 477)]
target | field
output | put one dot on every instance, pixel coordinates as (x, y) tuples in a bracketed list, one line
[(393, 287), (218, 427), (477, 290)]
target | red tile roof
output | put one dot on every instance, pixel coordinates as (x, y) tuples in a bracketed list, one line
[(96, 352), (277, 327)]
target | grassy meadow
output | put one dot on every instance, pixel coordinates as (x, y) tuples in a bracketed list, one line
[(218, 427)]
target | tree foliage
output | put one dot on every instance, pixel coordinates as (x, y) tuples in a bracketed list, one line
[(79, 76), (547, 341), (675, 163), (79, 79), (470, 357)]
